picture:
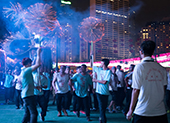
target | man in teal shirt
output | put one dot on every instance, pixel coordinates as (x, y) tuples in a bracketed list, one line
[(28, 88), (102, 78), (83, 81)]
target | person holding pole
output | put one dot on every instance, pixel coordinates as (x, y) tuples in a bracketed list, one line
[(27, 93), (102, 78)]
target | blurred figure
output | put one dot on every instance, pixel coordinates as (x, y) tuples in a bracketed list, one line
[(113, 91), (18, 89), (74, 87), (121, 88), (8, 85), (39, 93), (67, 71), (168, 92), (128, 81)]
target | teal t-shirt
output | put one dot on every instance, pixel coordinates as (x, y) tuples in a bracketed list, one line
[(27, 82), (82, 84), (102, 89), (8, 81)]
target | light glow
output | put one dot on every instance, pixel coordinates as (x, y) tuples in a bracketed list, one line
[(163, 59), (66, 2), (109, 13)]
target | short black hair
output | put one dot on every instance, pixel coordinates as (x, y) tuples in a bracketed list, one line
[(133, 66), (119, 67), (63, 66), (106, 62), (148, 47), (84, 66), (26, 61)]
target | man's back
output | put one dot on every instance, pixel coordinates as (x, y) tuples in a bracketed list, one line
[(150, 78)]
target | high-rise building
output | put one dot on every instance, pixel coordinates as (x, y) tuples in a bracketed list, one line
[(158, 32), (116, 43), (68, 43)]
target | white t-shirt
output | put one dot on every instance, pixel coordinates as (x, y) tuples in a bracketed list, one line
[(113, 82), (150, 78), (18, 85), (62, 83), (121, 77), (102, 89)]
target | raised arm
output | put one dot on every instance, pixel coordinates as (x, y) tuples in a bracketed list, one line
[(37, 64), (53, 83)]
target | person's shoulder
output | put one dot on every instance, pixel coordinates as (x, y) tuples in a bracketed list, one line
[(160, 67)]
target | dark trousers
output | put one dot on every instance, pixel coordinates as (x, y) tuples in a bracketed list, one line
[(18, 99), (46, 96), (69, 100), (62, 100), (7, 94), (83, 101), (128, 100), (120, 96), (96, 106), (30, 110), (103, 101), (74, 101), (40, 100), (168, 99), (12, 93), (156, 119)]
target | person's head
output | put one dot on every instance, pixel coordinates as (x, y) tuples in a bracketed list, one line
[(9, 72), (83, 68), (105, 62), (62, 69), (27, 62), (113, 69), (67, 69), (131, 68), (147, 48), (119, 67), (78, 69)]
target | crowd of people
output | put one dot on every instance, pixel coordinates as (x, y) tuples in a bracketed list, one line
[(143, 87)]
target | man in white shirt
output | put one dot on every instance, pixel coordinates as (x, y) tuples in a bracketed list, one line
[(60, 84), (120, 88), (149, 81)]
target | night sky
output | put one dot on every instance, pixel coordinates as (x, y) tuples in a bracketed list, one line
[(151, 10)]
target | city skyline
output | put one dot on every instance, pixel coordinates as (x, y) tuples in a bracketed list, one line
[(121, 43)]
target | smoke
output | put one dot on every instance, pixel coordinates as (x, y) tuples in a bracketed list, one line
[(70, 17)]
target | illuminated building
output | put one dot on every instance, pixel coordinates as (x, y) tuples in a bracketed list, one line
[(116, 42), (158, 32), (67, 43)]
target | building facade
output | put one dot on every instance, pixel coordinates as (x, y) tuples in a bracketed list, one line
[(116, 43), (158, 32)]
